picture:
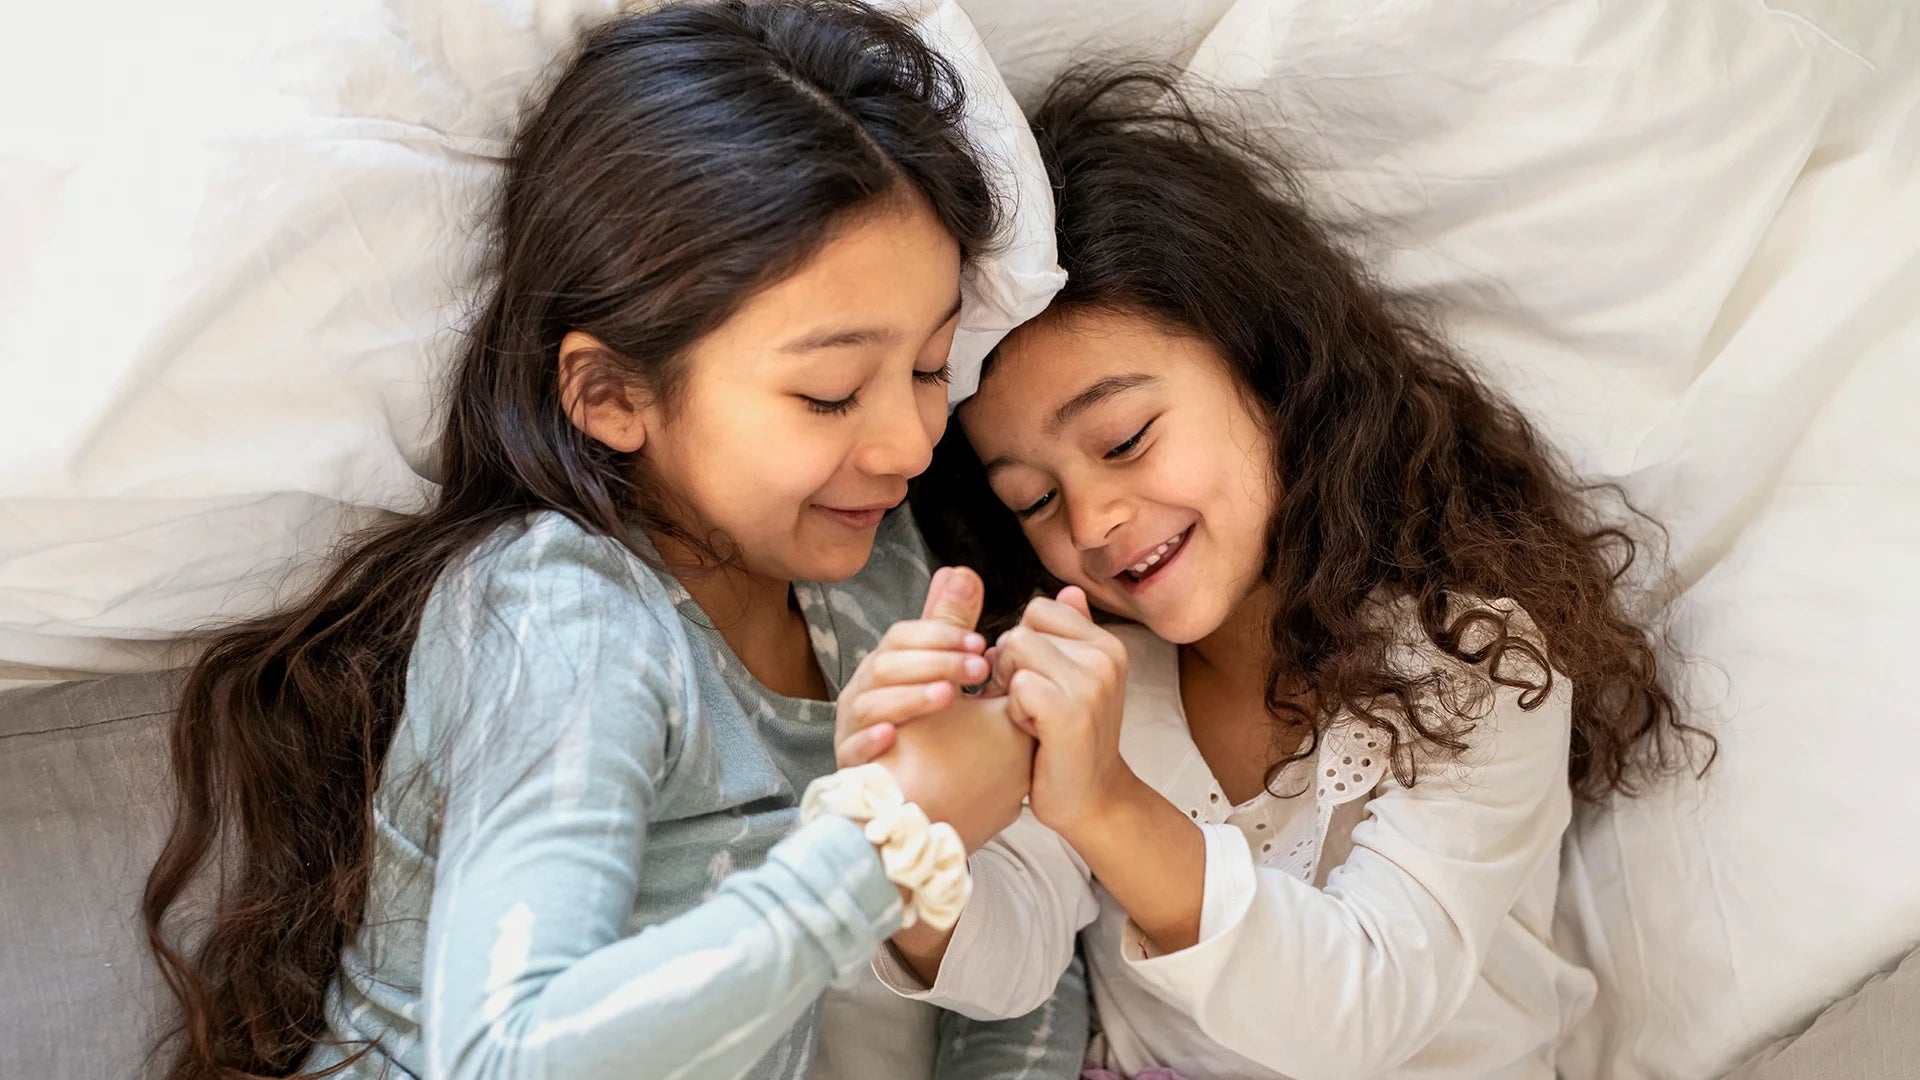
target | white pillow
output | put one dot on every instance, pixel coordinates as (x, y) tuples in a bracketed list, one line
[(1646, 225), (1006, 287), (1579, 184), (1032, 41), (234, 237)]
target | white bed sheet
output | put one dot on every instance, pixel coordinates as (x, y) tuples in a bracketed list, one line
[(1722, 914)]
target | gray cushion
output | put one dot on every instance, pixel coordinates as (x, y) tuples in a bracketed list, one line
[(1874, 1034), (84, 805)]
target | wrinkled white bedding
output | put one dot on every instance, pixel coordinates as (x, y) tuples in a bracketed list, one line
[(1684, 234), (1722, 914)]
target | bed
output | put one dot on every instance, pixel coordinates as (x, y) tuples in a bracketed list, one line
[(1685, 234)]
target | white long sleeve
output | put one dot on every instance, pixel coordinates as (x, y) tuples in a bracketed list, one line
[(1425, 950), (1357, 977), (1031, 896)]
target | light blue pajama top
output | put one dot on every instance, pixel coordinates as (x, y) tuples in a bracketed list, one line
[(587, 863)]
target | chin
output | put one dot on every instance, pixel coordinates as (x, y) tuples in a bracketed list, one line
[(1183, 627), (1175, 631), (830, 564)]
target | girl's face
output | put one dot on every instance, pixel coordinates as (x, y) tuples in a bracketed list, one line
[(1135, 465), (802, 417)]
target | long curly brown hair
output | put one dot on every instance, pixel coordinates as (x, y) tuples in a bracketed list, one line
[(681, 160), (1403, 474)]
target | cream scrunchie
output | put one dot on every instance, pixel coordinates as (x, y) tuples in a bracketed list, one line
[(925, 857)]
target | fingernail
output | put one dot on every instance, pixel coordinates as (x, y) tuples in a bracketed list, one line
[(965, 587), (976, 668), (975, 642), (936, 692), (939, 576)]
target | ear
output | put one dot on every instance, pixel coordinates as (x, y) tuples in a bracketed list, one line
[(606, 410)]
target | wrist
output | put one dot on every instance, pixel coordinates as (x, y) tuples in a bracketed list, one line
[(1151, 855), (923, 858), (922, 947), (1115, 809)]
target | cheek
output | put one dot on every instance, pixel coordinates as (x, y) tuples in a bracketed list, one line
[(796, 457), (751, 464), (933, 411), (1056, 552), (1224, 481)]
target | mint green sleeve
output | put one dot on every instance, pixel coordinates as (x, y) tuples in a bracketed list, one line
[(1049, 1043), (551, 688)]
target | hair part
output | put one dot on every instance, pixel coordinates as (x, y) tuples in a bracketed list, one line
[(1402, 474), (679, 162)]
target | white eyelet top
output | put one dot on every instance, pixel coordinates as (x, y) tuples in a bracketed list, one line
[(1359, 928)]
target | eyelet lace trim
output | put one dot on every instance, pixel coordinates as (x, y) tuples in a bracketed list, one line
[(1351, 763)]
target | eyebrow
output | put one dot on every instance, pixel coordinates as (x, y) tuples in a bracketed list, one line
[(1086, 399), (843, 337), (1093, 395)]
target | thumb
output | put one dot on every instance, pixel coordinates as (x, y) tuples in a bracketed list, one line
[(955, 597), (996, 684), (1075, 597)]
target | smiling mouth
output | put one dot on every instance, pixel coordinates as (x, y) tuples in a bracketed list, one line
[(1156, 560), (857, 520)]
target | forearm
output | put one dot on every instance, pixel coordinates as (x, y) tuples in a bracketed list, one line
[(1031, 897), (1151, 857), (1364, 978), (1026, 884), (922, 948), (708, 992), (974, 764)]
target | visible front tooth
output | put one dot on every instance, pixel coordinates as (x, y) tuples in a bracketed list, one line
[(1151, 559), (1140, 567)]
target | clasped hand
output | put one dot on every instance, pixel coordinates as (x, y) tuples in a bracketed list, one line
[(1044, 729)]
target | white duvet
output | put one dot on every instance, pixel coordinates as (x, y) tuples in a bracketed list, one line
[(1686, 235)]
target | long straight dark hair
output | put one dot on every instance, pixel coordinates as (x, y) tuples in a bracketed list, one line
[(680, 161), (1403, 474)]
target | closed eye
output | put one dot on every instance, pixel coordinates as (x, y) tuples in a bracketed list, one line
[(1126, 447), (1035, 507), (842, 406)]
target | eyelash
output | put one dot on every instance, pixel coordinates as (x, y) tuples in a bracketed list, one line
[(845, 405), (1125, 447)]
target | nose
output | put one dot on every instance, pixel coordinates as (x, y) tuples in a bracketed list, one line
[(898, 437), (1093, 511)]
